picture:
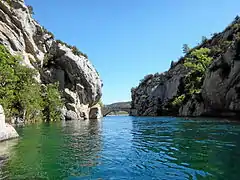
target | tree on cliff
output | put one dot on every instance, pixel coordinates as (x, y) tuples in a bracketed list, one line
[(197, 62), (30, 8), (52, 102), (20, 93), (185, 48)]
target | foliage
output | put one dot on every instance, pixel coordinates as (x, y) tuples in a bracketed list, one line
[(30, 8), (20, 93), (146, 78), (178, 100), (237, 18), (204, 39), (44, 30), (186, 48), (47, 59), (214, 34), (238, 36), (77, 52), (74, 49), (52, 102), (216, 50), (8, 79), (28, 93), (197, 62), (172, 64), (101, 103), (220, 48), (236, 26), (9, 2)]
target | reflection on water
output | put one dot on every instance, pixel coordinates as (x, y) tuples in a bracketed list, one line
[(121, 147), (6, 147), (51, 151)]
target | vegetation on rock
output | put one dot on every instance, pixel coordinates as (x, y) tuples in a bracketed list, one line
[(30, 8), (74, 49), (100, 103), (20, 93), (52, 102), (186, 48), (197, 62)]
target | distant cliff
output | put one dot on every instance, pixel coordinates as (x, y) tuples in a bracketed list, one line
[(205, 82), (54, 60)]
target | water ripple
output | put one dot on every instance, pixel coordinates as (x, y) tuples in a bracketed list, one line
[(125, 148)]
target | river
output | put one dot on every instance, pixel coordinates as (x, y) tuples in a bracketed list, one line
[(123, 147)]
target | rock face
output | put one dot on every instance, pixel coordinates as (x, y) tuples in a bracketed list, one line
[(6, 130), (95, 112), (220, 90), (154, 92), (54, 60)]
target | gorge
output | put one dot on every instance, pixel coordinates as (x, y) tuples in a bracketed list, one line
[(53, 121)]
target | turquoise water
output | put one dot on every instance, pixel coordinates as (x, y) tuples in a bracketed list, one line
[(123, 147)]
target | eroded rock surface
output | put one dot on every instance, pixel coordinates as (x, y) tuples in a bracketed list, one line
[(54, 60), (220, 90)]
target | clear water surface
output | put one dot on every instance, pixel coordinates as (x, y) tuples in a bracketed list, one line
[(122, 147)]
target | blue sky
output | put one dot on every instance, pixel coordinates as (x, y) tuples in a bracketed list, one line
[(128, 39)]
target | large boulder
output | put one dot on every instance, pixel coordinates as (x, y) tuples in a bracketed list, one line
[(72, 115), (6, 130)]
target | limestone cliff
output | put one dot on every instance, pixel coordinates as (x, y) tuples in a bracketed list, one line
[(55, 61), (220, 88)]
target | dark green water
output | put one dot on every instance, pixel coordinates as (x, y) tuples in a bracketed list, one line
[(125, 148)]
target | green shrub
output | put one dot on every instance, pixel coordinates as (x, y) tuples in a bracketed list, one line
[(186, 48), (237, 36), (74, 49), (197, 61), (178, 100), (236, 26), (215, 51), (204, 39), (101, 103), (20, 93), (77, 52), (52, 102)]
